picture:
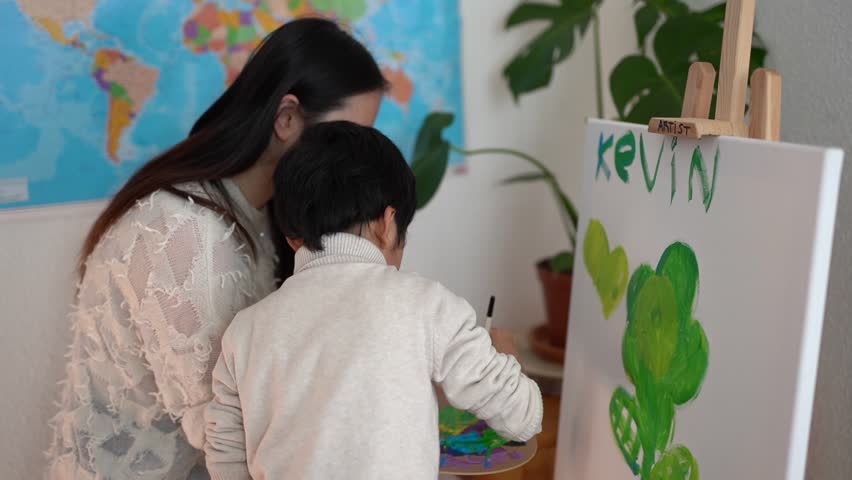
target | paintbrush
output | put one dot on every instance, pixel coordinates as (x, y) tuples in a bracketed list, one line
[(488, 316)]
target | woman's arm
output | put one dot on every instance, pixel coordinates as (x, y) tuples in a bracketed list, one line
[(188, 277)]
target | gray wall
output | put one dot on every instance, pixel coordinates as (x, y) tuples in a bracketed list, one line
[(810, 43)]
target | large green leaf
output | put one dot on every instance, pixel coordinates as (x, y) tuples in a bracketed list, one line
[(431, 155), (642, 88), (669, 7), (532, 67), (639, 91), (646, 19), (716, 13), (563, 262)]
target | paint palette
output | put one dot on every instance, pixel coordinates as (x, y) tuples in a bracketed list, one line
[(470, 447)]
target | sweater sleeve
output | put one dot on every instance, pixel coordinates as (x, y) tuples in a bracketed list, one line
[(182, 271), (476, 378), (225, 445)]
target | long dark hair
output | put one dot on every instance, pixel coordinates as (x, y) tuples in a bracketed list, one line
[(310, 58)]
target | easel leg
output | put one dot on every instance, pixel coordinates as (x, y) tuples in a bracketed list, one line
[(699, 90), (765, 112), (733, 68)]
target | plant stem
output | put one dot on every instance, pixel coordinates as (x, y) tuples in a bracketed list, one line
[(504, 151), (596, 32), (571, 222)]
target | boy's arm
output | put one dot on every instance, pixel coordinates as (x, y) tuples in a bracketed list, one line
[(225, 445), (476, 378)]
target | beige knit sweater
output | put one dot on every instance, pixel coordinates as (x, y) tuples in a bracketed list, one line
[(331, 376)]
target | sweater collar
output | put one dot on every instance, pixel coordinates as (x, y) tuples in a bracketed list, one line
[(339, 248), (256, 218)]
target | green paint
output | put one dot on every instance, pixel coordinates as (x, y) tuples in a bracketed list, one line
[(454, 420), (480, 443), (463, 433), (655, 311), (603, 146), (625, 153), (608, 269), (674, 182), (294, 4), (203, 36), (116, 90), (649, 182), (676, 464), (344, 9), (232, 36), (623, 416), (698, 164), (665, 355), (246, 34)]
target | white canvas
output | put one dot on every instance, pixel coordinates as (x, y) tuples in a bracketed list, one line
[(761, 239)]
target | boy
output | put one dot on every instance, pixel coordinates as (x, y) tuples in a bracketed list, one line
[(331, 376)]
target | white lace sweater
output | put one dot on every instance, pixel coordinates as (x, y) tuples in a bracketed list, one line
[(159, 291), (331, 376)]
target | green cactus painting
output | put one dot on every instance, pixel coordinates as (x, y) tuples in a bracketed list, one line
[(665, 356)]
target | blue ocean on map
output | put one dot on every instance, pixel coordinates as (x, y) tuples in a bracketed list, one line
[(54, 118)]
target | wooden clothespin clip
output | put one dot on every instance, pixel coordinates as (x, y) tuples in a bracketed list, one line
[(765, 121)]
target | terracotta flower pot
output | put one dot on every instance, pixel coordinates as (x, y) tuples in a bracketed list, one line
[(557, 300)]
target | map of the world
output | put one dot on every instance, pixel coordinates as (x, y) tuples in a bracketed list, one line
[(91, 89)]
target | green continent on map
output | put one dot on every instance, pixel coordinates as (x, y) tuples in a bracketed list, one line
[(128, 83), (345, 9), (232, 34), (99, 87)]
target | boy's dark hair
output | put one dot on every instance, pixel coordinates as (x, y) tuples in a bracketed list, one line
[(338, 176)]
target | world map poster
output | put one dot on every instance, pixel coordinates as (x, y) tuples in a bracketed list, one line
[(91, 89)]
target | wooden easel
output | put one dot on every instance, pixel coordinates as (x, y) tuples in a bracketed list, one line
[(765, 122)]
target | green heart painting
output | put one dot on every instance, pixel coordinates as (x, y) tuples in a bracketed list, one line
[(608, 269)]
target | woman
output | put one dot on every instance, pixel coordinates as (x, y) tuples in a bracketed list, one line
[(182, 247)]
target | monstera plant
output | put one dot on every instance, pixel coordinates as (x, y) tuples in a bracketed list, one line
[(647, 83), (670, 36)]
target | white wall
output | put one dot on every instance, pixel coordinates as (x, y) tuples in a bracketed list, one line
[(37, 254), (477, 237), (811, 45)]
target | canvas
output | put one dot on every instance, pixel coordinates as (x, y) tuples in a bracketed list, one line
[(699, 289)]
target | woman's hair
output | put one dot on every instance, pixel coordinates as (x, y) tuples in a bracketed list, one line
[(338, 177), (310, 58)]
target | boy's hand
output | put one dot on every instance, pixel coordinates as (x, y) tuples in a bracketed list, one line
[(504, 343)]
